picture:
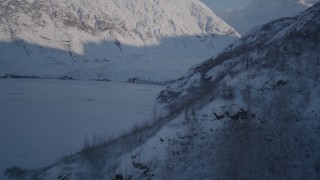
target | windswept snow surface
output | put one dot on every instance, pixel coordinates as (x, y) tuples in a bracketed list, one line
[(41, 120), (108, 39), (259, 12)]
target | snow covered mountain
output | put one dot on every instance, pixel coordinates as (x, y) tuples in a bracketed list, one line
[(108, 39), (259, 12), (251, 112)]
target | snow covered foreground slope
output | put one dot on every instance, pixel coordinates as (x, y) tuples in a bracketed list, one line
[(108, 39), (251, 112), (259, 12)]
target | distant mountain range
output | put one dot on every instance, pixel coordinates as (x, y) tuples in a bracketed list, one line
[(259, 12)]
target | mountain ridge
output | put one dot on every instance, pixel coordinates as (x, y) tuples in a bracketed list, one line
[(69, 25)]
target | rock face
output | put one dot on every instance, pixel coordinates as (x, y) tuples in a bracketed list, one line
[(259, 12), (108, 39)]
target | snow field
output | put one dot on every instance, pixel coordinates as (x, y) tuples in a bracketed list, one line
[(41, 120)]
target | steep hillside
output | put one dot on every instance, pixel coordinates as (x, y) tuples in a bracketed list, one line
[(107, 39), (259, 101), (251, 112), (259, 12)]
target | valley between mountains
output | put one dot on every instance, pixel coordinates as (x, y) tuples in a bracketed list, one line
[(227, 106)]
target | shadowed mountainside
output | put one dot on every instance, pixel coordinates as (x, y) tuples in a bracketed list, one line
[(108, 59)]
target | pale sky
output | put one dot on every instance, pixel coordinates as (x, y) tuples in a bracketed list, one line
[(221, 5)]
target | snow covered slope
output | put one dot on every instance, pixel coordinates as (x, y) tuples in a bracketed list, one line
[(259, 12), (251, 112), (108, 39)]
